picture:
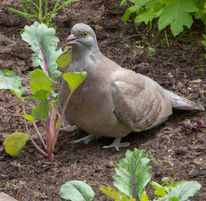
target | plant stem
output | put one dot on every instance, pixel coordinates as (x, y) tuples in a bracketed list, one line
[(46, 10), (53, 11), (34, 143), (63, 110), (40, 11), (166, 38), (40, 136)]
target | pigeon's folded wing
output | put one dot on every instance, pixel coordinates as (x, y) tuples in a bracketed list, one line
[(138, 100)]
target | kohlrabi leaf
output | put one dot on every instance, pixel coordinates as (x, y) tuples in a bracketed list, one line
[(182, 191), (133, 174), (65, 58), (41, 111), (177, 14), (44, 45), (76, 191), (28, 117), (74, 79), (115, 194), (9, 80), (40, 84), (15, 142)]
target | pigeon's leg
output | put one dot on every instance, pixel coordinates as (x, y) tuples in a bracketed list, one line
[(84, 140), (117, 144)]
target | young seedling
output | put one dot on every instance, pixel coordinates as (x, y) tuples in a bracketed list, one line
[(39, 10), (43, 82), (131, 178)]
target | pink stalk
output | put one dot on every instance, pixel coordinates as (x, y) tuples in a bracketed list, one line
[(45, 61)]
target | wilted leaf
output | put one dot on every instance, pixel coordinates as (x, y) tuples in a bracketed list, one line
[(74, 79), (44, 45), (28, 117), (40, 84), (76, 191), (41, 111), (133, 174), (9, 80), (64, 59), (15, 142)]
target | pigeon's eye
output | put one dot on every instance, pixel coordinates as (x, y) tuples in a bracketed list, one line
[(85, 34)]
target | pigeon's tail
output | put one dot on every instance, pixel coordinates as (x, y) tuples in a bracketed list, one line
[(182, 103)]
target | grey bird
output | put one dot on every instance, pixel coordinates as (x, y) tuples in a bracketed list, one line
[(113, 101)]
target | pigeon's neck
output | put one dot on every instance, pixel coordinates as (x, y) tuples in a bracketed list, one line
[(82, 55)]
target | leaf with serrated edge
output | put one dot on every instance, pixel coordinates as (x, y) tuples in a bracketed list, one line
[(76, 190), (44, 45), (177, 14), (132, 174), (9, 80), (74, 79), (15, 142)]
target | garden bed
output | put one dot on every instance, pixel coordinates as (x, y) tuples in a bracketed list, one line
[(174, 152)]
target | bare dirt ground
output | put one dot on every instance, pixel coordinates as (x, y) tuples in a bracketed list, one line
[(174, 152)]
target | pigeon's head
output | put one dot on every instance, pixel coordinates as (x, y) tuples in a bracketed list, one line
[(82, 37)]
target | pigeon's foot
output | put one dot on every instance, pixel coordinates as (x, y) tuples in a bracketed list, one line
[(84, 140), (68, 128), (117, 144)]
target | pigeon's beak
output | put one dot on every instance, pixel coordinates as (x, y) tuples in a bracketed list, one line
[(71, 39)]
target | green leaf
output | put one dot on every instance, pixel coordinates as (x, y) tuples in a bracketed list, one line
[(76, 190), (44, 45), (133, 174), (41, 111), (40, 84), (74, 79), (144, 196), (177, 14), (15, 142), (182, 191), (9, 80), (28, 117), (64, 59), (159, 189), (114, 194)]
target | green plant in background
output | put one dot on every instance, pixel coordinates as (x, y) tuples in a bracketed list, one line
[(203, 41), (39, 10), (43, 82), (131, 178), (177, 14)]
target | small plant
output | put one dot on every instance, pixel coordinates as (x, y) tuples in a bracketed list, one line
[(43, 82), (131, 178), (39, 10), (177, 14)]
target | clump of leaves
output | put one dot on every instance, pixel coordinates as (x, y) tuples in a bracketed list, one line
[(43, 81), (39, 10), (132, 175), (177, 14)]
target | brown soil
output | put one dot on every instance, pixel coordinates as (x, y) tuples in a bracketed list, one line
[(174, 152)]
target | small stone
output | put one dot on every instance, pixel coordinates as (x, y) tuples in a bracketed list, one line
[(181, 150)]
